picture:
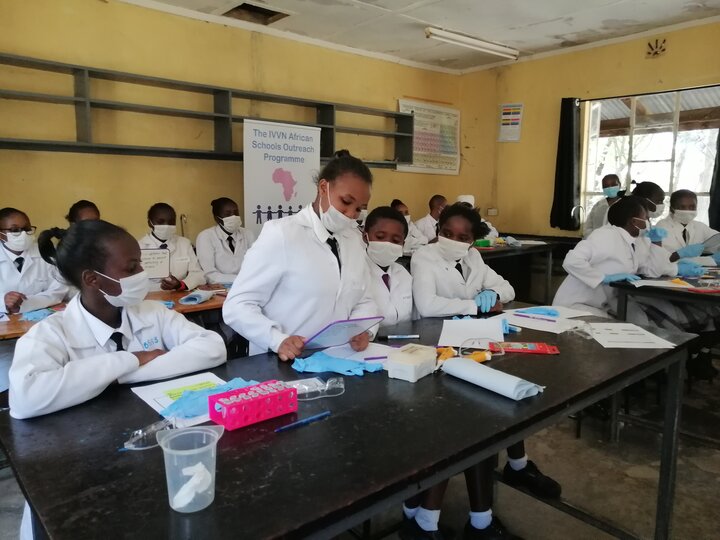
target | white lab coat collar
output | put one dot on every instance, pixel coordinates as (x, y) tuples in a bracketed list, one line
[(626, 236), (157, 243), (308, 218), (223, 236), (28, 256), (102, 331)]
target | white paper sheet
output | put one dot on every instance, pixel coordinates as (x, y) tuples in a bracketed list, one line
[(660, 283), (491, 379), (455, 333), (563, 312), (627, 336), (341, 332), (162, 394), (375, 352), (156, 262), (532, 242)]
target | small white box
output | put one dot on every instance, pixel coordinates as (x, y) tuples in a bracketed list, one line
[(411, 362)]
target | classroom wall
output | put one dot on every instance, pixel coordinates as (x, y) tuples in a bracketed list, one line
[(112, 35)]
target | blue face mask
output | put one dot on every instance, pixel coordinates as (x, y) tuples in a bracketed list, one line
[(611, 192)]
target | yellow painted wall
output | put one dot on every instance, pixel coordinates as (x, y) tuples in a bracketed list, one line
[(525, 170), (113, 35)]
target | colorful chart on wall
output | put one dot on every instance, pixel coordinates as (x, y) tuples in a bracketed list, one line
[(510, 122), (436, 138)]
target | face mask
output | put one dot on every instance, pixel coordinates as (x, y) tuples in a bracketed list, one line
[(362, 216), (452, 250), (384, 253), (19, 241), (645, 229), (684, 216), (231, 224), (333, 219), (407, 218), (165, 232), (611, 192), (133, 289), (659, 209)]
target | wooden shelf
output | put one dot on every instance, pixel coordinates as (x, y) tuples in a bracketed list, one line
[(371, 132)]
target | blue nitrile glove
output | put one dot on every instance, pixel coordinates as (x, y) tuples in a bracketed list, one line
[(37, 315), (611, 278), (459, 318), (656, 234), (550, 312), (486, 300), (716, 258), (691, 250), (689, 269), (321, 362), (194, 403)]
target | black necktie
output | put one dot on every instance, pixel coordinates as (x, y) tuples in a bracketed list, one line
[(458, 267), (386, 280), (19, 261), (163, 246), (685, 235), (231, 243), (332, 242), (117, 338)]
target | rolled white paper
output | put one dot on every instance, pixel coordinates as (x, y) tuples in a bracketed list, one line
[(490, 379)]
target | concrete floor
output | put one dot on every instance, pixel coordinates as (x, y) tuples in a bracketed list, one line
[(617, 482)]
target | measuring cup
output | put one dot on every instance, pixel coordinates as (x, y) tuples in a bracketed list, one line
[(190, 466)]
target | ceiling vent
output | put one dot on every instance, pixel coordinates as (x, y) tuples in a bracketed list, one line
[(255, 14)]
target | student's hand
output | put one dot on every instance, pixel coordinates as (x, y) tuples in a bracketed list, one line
[(656, 234), (692, 250), (497, 308), (688, 268), (291, 347), (170, 283), (360, 342), (13, 301), (612, 278), (147, 356), (486, 300)]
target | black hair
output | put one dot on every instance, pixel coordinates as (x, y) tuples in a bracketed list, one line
[(217, 204), (344, 163), (463, 210), (385, 212), (647, 190), (396, 202), (626, 208), (9, 211), (681, 194), (82, 246), (159, 207), (435, 199), (608, 176), (73, 213)]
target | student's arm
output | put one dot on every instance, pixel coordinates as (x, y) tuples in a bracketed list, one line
[(189, 348), (499, 284), (656, 261), (206, 258), (195, 276), (260, 274), (427, 300), (43, 379), (577, 263), (54, 294)]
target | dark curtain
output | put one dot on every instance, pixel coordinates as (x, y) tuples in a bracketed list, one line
[(714, 210), (567, 168)]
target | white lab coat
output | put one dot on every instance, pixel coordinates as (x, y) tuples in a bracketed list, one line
[(213, 252), (597, 217), (184, 264), (64, 360), (440, 291), (395, 304), (39, 281), (414, 240), (697, 234), (609, 250), (427, 226), (290, 283)]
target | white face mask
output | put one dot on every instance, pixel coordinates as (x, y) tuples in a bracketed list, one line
[(384, 253), (452, 250), (659, 209), (643, 230), (231, 224), (19, 241), (333, 219), (133, 289), (362, 216), (165, 232), (684, 216)]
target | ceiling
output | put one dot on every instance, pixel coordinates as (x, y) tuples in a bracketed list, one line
[(395, 27)]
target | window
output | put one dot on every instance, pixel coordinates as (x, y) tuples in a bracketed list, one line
[(669, 138)]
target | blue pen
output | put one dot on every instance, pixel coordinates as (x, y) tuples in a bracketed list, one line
[(303, 422)]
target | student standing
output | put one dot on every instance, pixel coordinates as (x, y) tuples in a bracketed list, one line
[(307, 270), (185, 270), (597, 217), (82, 210), (390, 283), (221, 249), (414, 238), (428, 224)]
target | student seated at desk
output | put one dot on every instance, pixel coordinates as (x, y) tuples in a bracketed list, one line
[(469, 200), (428, 224), (450, 278), (27, 282), (82, 210), (185, 270), (221, 249), (307, 270), (686, 235), (415, 239), (597, 217), (390, 283)]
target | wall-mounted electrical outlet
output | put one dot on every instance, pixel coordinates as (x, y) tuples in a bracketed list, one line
[(492, 211)]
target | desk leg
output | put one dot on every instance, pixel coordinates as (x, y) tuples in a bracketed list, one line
[(614, 418), (548, 278), (622, 302), (668, 463)]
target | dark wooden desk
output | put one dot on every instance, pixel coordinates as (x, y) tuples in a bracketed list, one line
[(625, 289), (316, 481), (495, 253)]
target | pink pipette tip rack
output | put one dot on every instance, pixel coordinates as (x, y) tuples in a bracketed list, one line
[(252, 404)]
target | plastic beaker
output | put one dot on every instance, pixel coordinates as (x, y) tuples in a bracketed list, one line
[(190, 466)]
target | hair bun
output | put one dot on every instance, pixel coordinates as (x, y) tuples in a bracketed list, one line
[(342, 153)]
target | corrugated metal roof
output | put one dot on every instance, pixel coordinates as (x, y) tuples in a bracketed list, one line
[(696, 98)]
